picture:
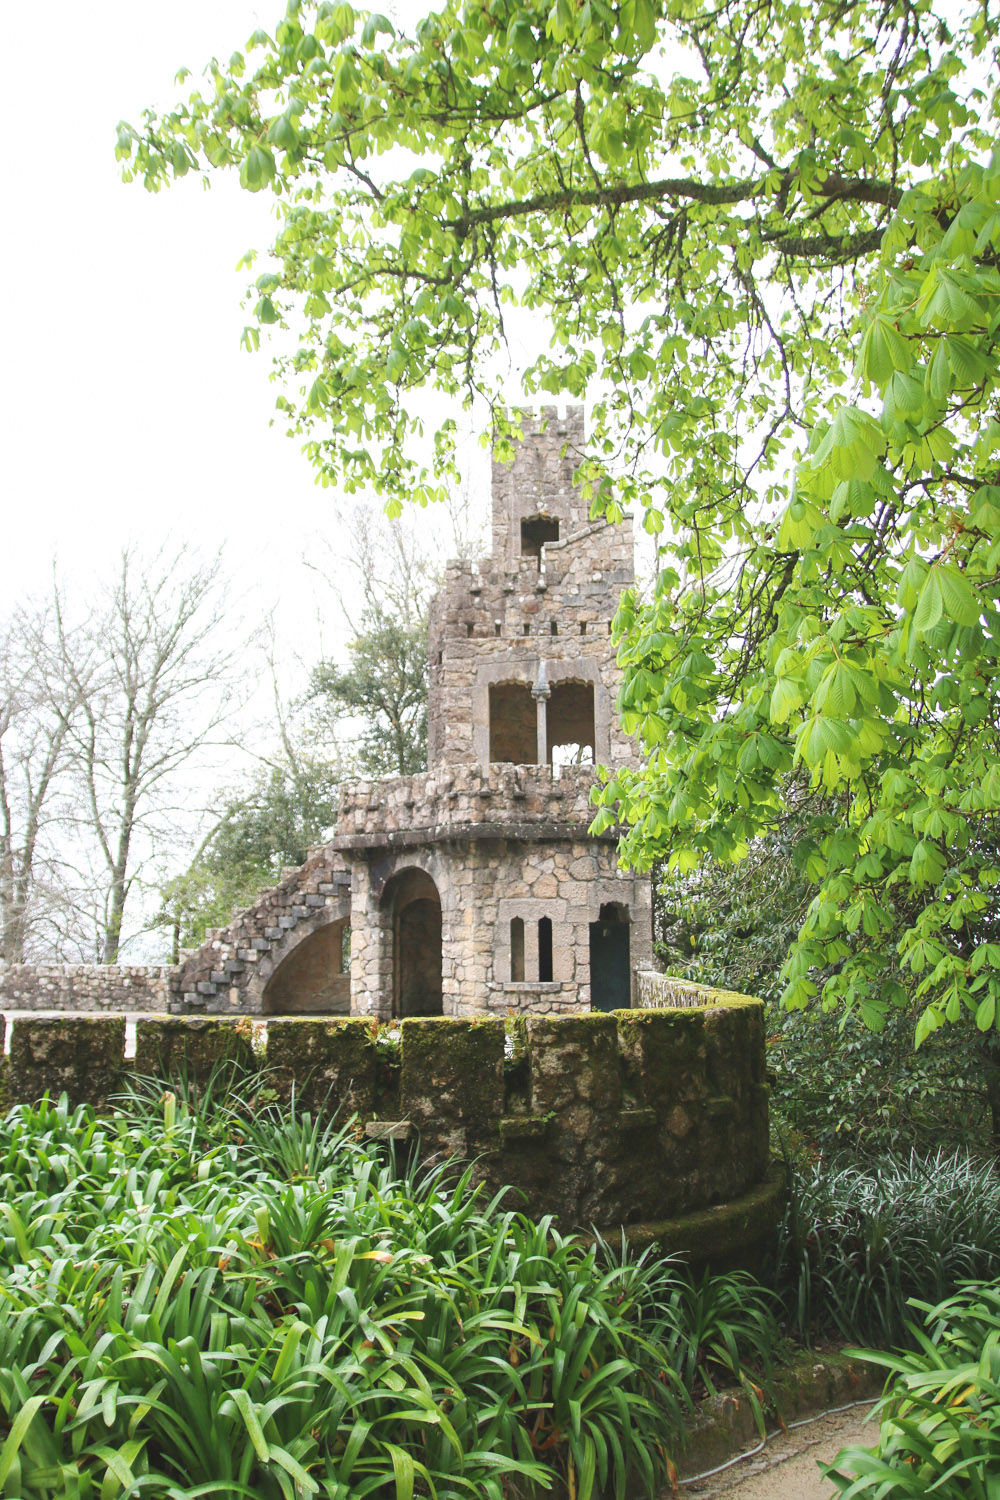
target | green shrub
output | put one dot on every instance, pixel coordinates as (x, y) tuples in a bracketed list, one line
[(940, 1415), (838, 1086), (860, 1240), (206, 1296)]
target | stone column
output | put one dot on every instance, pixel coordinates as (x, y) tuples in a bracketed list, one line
[(541, 692)]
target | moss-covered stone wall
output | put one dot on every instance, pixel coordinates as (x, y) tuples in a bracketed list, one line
[(622, 1119), (82, 1056)]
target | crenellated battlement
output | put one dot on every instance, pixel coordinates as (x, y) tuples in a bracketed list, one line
[(559, 1109), (466, 803)]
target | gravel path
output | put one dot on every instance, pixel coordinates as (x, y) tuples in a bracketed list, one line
[(787, 1469)]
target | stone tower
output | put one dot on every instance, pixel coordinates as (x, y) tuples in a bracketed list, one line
[(522, 669), (476, 887)]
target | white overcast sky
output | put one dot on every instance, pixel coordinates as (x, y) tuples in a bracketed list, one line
[(130, 412)]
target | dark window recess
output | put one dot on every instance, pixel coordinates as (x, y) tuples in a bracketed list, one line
[(517, 950), (526, 628), (569, 722), (469, 627), (496, 627), (513, 724), (583, 627), (545, 950), (553, 628), (610, 971), (535, 533)]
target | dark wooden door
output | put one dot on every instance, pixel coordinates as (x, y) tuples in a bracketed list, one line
[(610, 980)]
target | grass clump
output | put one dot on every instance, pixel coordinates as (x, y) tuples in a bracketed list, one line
[(940, 1415), (862, 1238), (203, 1295)]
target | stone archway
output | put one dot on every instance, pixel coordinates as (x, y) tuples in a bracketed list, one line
[(414, 906), (314, 977), (610, 969)]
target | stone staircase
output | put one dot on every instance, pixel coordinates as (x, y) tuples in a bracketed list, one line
[(225, 973)]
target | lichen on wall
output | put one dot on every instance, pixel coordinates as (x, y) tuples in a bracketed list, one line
[(627, 1119), (80, 1056)]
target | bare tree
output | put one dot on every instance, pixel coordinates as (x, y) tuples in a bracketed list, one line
[(36, 709), (153, 680)]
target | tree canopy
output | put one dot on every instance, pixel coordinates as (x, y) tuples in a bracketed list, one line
[(761, 240), (383, 689)]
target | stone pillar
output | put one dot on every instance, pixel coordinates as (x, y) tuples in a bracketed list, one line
[(541, 693)]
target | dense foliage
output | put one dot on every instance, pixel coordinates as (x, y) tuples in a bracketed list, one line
[(860, 1241), (384, 688), (218, 1297), (940, 1415), (700, 218), (836, 1085)]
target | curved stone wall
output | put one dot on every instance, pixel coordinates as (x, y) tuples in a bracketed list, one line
[(628, 1119)]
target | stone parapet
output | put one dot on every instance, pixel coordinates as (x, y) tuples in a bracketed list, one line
[(655, 991), (467, 803), (557, 1108)]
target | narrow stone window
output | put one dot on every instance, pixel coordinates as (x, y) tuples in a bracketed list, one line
[(526, 628), (496, 627), (610, 626), (469, 627), (583, 627), (545, 950), (553, 628), (517, 950)]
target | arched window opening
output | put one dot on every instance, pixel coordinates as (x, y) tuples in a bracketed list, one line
[(535, 532), (513, 724), (517, 950), (545, 950), (569, 724)]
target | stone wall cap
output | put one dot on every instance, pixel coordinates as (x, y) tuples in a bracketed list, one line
[(523, 831)]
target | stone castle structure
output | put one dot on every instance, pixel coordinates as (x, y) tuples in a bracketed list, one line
[(474, 888)]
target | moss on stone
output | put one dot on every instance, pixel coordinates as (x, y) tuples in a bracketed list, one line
[(638, 1118), (734, 1233), (80, 1056), (452, 1082), (168, 1046), (329, 1065)]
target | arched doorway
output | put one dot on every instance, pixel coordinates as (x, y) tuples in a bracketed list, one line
[(610, 970), (412, 900)]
